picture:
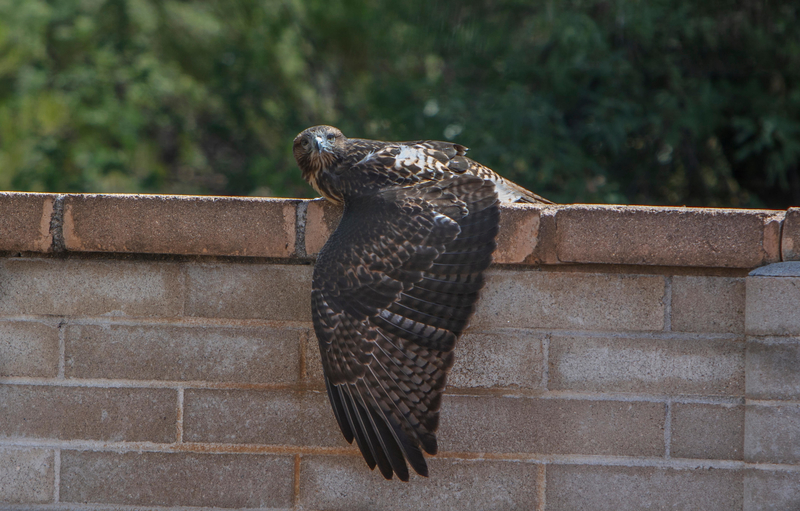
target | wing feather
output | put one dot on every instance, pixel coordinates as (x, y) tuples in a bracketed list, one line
[(392, 289), (355, 425)]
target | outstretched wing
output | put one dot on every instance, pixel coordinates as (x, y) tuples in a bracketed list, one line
[(392, 290)]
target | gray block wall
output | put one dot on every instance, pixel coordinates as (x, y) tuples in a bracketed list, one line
[(157, 353)]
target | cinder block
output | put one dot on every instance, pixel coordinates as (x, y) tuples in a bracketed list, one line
[(551, 426), (659, 366), (26, 476), (500, 358), (582, 301), (599, 488), (772, 305), (28, 349), (90, 288), (278, 417), (25, 222), (346, 483), (772, 433), (86, 413), (165, 352), (322, 217), (790, 235), (707, 431), (260, 291), (177, 479), (773, 368), (668, 236), (313, 361), (783, 269), (771, 491), (708, 304), (170, 224)]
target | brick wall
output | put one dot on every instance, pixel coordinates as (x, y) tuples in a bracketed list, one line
[(157, 353)]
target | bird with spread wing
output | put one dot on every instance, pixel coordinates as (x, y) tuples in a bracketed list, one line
[(397, 281)]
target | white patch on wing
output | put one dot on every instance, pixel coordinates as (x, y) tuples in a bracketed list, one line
[(408, 155)]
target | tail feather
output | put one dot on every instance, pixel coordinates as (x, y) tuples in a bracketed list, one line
[(508, 191)]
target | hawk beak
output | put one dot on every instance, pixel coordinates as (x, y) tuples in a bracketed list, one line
[(320, 144)]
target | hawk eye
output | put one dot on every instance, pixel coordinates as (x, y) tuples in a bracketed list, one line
[(304, 142), (331, 136)]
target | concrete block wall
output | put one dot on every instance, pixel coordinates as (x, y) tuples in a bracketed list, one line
[(157, 353)]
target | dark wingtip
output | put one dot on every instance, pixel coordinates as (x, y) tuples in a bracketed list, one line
[(338, 410)]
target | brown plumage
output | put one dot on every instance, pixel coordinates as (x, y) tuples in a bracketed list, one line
[(396, 283)]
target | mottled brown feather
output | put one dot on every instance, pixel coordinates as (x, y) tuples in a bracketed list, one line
[(397, 282)]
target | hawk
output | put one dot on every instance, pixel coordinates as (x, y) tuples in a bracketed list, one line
[(397, 281)]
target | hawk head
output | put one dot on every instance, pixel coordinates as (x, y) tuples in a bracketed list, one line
[(317, 150)]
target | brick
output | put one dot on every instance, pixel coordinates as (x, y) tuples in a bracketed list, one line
[(602, 488), (772, 433), (27, 476), (773, 368), (790, 236), (535, 299), (177, 479), (260, 417), (345, 483), (28, 349), (526, 234), (322, 217), (86, 413), (707, 431), (667, 236), (546, 247), (551, 426), (170, 224), (660, 366), (85, 287), (502, 358), (771, 306), (242, 291), (519, 234), (708, 304), (773, 227), (25, 222), (183, 353), (771, 491)]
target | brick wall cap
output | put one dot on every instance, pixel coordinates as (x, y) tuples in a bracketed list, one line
[(667, 236), (297, 228), (643, 207), (176, 224), (25, 221)]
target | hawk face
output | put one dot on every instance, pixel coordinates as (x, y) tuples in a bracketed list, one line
[(318, 150)]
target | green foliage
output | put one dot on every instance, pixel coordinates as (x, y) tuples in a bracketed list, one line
[(657, 102)]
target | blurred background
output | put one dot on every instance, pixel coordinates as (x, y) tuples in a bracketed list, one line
[(671, 102)]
